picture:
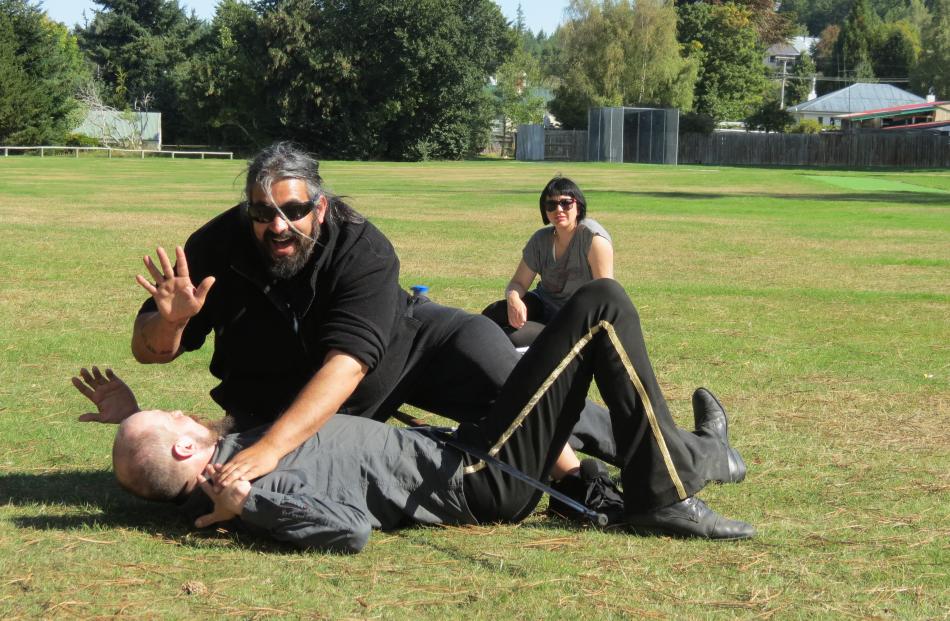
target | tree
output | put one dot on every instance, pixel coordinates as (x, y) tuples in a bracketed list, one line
[(724, 40), (771, 26), (40, 67), (933, 68), (516, 96), (816, 15), (144, 49), (858, 35), (770, 117), (233, 104), (618, 53), (895, 49), (798, 86), (825, 56), (417, 90)]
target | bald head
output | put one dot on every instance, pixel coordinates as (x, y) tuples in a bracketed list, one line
[(156, 455)]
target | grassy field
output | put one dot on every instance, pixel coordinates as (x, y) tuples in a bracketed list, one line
[(816, 303)]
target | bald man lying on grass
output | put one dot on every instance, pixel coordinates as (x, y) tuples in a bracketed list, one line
[(356, 474)]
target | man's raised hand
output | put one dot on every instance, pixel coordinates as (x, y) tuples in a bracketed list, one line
[(111, 396), (176, 298)]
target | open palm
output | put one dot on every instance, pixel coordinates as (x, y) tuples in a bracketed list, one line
[(112, 397)]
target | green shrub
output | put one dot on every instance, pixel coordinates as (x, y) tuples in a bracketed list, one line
[(806, 126), (81, 140)]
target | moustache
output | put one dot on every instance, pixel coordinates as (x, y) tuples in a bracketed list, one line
[(281, 237)]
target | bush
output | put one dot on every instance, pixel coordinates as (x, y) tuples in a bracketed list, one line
[(697, 123), (806, 126), (770, 117), (81, 140)]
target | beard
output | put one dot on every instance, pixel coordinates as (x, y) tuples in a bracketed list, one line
[(283, 268), (216, 429)]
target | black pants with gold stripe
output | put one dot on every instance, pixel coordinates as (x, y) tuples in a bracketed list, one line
[(595, 337)]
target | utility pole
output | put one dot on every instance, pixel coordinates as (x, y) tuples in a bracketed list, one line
[(781, 101)]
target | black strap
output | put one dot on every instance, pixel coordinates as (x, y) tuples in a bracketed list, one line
[(446, 435)]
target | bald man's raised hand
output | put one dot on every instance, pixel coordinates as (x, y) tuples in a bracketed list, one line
[(113, 399)]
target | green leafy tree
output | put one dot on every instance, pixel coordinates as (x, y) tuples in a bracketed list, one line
[(40, 69), (825, 58), (724, 40), (517, 83), (856, 41), (895, 49), (144, 50), (798, 86), (233, 105), (396, 79), (770, 117), (619, 53), (816, 15), (771, 26), (933, 67), (547, 50)]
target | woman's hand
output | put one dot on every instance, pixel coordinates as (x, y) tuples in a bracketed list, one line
[(517, 311)]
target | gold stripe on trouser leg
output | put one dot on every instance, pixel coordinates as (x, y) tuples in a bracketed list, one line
[(648, 408), (535, 398), (634, 379)]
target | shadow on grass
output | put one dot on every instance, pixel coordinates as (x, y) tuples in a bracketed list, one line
[(74, 501), (95, 493)]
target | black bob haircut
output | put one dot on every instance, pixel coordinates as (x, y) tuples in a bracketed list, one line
[(562, 186)]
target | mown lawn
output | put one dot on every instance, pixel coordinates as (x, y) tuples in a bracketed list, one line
[(816, 303)]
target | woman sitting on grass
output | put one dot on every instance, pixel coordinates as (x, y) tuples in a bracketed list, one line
[(571, 252)]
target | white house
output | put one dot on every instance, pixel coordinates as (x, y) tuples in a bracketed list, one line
[(138, 129), (855, 98)]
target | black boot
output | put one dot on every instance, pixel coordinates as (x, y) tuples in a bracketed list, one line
[(688, 518), (710, 419)]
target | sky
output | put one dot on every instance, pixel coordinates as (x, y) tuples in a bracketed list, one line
[(539, 14)]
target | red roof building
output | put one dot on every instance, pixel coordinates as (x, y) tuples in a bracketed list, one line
[(929, 115)]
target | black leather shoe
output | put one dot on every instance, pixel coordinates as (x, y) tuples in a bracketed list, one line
[(710, 419), (688, 518)]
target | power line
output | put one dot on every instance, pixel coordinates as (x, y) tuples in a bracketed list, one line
[(779, 76)]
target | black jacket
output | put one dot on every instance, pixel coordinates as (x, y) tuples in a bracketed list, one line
[(272, 336)]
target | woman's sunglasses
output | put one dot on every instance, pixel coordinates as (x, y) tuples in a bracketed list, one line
[(564, 203)]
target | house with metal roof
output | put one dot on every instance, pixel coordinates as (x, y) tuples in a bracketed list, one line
[(928, 116), (781, 56), (855, 98)]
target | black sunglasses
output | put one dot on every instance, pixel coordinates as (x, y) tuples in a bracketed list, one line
[(564, 203), (265, 214)]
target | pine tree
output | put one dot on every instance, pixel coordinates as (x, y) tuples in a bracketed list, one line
[(933, 68)]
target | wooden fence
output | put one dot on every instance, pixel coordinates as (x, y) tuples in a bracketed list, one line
[(535, 144), (565, 145), (53, 150), (905, 149)]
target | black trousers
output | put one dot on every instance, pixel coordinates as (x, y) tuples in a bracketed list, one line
[(595, 337), (525, 335), (457, 367)]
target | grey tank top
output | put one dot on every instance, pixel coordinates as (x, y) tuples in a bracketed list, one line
[(562, 277)]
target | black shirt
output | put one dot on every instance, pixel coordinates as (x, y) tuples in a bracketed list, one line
[(271, 336)]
